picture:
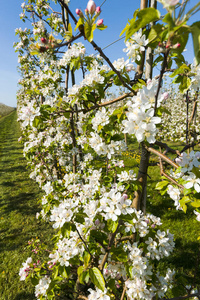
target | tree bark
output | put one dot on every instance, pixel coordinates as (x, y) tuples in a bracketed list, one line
[(149, 53), (140, 67)]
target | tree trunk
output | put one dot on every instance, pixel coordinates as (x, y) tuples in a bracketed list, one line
[(149, 53), (140, 67), (139, 201)]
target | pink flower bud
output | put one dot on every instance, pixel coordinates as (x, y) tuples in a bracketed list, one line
[(91, 6), (43, 40), (177, 46), (86, 11), (125, 196), (98, 10), (100, 22), (106, 271), (167, 46), (78, 11)]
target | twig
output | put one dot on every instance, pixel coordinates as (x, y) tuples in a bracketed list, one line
[(164, 65), (68, 42), (112, 238), (68, 10), (168, 149), (189, 146), (96, 47), (164, 157), (123, 293), (84, 242), (162, 172)]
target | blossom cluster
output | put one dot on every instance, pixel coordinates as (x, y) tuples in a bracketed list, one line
[(140, 115), (188, 181), (135, 45)]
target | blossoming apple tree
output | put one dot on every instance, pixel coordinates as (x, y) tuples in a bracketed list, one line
[(106, 246)]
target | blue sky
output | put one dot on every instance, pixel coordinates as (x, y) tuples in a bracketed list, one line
[(115, 15)]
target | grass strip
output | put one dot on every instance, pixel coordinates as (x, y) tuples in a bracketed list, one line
[(18, 207)]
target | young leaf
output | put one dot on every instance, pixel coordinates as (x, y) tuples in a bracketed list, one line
[(145, 16), (86, 258), (161, 185), (79, 23), (195, 28), (97, 278)]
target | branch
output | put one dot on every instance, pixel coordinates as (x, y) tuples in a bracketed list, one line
[(116, 99), (123, 293), (68, 10), (162, 172), (68, 42), (111, 65), (112, 238), (168, 149), (189, 146), (193, 112), (86, 247), (96, 106), (164, 157), (164, 65)]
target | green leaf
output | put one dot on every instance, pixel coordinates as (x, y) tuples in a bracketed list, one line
[(195, 28), (101, 27), (119, 254), (186, 191), (107, 179), (34, 52), (185, 84), (169, 20), (154, 32), (86, 258), (34, 280), (196, 203), (160, 185), (69, 28), (112, 225), (79, 23), (88, 30), (97, 278), (181, 70), (183, 202), (132, 20), (66, 229), (64, 271), (145, 16), (37, 121), (162, 110), (80, 270)]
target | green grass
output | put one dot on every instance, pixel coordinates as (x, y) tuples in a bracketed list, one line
[(5, 110), (18, 206)]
